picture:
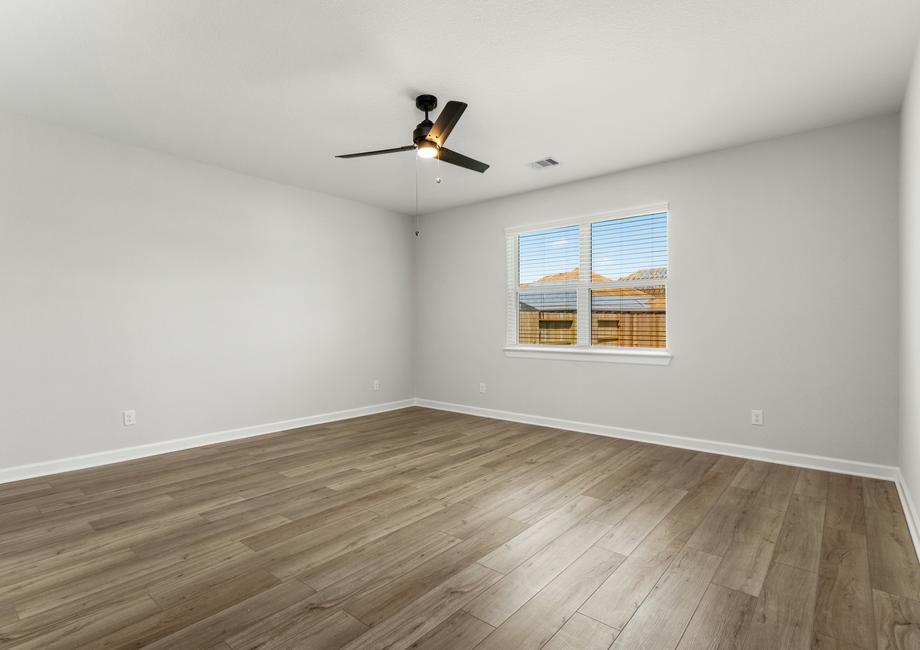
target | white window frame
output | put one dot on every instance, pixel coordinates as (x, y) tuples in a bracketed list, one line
[(582, 350)]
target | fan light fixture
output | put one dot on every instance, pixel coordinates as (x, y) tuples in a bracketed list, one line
[(428, 137), (427, 149)]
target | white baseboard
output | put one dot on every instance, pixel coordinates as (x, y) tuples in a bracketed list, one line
[(44, 468), (825, 463), (910, 512), (839, 465)]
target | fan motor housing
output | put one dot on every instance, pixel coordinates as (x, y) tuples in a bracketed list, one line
[(421, 131)]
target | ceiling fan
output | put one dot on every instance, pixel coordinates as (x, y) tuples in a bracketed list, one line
[(429, 138)]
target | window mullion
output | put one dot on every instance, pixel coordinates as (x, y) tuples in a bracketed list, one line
[(584, 282)]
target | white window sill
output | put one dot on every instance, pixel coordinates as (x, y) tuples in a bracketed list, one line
[(573, 353)]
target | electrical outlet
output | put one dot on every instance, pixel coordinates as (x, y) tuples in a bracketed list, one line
[(482, 387), (376, 384), (130, 417), (757, 417)]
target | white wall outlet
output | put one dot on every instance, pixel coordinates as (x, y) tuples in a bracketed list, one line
[(130, 417), (757, 417), (482, 387), (376, 384)]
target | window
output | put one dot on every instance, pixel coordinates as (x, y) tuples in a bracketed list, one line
[(593, 288)]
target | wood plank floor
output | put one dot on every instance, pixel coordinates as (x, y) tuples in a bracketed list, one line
[(425, 529)]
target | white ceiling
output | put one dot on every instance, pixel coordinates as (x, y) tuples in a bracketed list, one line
[(276, 88)]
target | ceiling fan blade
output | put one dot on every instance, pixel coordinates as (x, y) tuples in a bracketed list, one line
[(454, 158), (408, 147), (446, 121)]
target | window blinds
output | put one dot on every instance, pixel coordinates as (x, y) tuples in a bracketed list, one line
[(598, 283), (633, 248), (548, 259), (549, 256), (629, 258)]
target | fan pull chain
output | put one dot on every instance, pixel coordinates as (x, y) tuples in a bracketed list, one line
[(416, 197)]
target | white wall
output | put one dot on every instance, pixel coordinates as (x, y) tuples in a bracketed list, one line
[(784, 296), (910, 285), (204, 299)]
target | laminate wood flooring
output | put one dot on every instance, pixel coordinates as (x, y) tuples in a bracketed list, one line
[(427, 529)]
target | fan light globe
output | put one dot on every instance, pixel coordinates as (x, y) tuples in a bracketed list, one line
[(427, 150)]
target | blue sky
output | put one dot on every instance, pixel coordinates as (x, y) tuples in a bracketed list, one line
[(620, 246)]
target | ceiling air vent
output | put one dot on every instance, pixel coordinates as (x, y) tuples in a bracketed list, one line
[(545, 162)]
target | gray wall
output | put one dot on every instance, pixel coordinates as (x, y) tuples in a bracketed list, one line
[(206, 300), (910, 286), (784, 296)]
